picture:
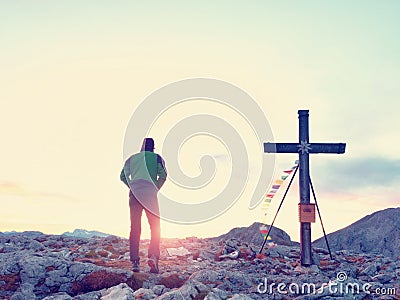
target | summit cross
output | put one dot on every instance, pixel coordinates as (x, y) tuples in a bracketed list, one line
[(304, 148)]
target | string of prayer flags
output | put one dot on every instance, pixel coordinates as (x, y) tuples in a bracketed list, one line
[(278, 183), (270, 195), (264, 232)]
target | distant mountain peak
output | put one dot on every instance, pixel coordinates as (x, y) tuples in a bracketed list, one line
[(252, 235), (26, 233), (84, 233), (376, 233)]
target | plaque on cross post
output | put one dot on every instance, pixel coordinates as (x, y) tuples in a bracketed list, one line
[(304, 148)]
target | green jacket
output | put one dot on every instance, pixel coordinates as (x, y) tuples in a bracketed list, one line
[(145, 165)]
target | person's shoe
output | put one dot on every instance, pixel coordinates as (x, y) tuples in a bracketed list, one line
[(135, 265), (153, 264)]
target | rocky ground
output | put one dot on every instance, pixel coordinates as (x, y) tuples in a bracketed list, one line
[(38, 266)]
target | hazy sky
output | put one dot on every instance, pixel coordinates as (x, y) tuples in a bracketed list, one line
[(73, 72)]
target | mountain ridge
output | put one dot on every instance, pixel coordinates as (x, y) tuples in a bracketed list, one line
[(376, 233), (84, 233), (252, 235)]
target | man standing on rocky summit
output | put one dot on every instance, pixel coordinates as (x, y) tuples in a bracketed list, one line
[(144, 173)]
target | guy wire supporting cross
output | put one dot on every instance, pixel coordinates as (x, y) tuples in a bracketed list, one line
[(280, 205)]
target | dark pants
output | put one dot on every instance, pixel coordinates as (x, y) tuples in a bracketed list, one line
[(136, 209)]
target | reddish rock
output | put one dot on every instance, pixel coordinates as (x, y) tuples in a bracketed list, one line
[(91, 254), (325, 264), (280, 259), (354, 259), (136, 280), (294, 264), (95, 261), (50, 268), (196, 254), (103, 253), (116, 264), (172, 281), (261, 256), (12, 282), (96, 281)]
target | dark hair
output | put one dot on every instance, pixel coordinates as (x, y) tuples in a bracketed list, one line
[(148, 144)]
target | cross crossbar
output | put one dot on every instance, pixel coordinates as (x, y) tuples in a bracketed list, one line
[(336, 148)]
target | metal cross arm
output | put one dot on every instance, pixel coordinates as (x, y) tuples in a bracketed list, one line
[(315, 148)]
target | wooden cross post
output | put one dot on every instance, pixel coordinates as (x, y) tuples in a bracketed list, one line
[(304, 148)]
